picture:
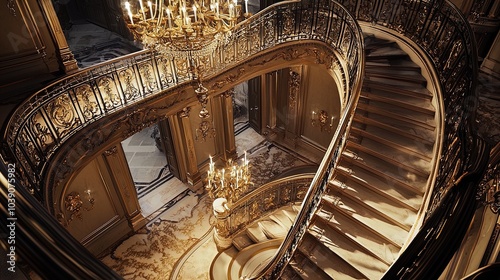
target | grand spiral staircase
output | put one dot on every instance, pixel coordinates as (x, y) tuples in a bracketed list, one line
[(366, 215), (371, 205), (368, 223)]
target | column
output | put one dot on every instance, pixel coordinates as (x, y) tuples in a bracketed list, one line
[(125, 186), (228, 124), (192, 173), (67, 59)]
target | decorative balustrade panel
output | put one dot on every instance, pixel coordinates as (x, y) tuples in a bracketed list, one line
[(45, 121), (262, 201)]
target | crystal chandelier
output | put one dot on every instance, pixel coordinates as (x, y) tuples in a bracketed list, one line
[(182, 25), (230, 182)]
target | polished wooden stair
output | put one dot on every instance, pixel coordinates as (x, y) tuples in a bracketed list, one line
[(372, 203)]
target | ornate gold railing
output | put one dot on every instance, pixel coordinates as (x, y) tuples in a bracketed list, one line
[(44, 122), (259, 203), (446, 38), (41, 125), (332, 23)]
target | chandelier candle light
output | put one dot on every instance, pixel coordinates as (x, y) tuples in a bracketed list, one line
[(182, 25), (230, 182)]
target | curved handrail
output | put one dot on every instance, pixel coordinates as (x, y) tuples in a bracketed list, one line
[(260, 202), (335, 13)]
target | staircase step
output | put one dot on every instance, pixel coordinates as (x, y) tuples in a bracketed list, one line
[(404, 214), (372, 42), (389, 146), (360, 170), (351, 253), (374, 158), (306, 269), (405, 76), (355, 152), (404, 142), (368, 219), (383, 52), (400, 64), (373, 244), (362, 178), (415, 92), (330, 263), (423, 104), (290, 274), (395, 117), (425, 137), (391, 104)]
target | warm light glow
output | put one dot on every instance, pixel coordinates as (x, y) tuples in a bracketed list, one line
[(189, 24), (230, 182)]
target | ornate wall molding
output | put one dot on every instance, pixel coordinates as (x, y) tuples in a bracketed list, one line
[(95, 138)]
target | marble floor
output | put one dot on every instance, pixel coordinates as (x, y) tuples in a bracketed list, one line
[(179, 230)]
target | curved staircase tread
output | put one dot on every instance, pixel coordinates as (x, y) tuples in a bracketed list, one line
[(402, 83), (411, 198), (328, 261), (272, 229), (415, 92), (426, 137), (355, 205), (290, 214), (351, 253), (388, 167), (372, 220), (396, 117), (377, 246), (346, 185), (406, 100), (364, 173), (398, 75), (392, 104), (403, 64), (307, 269), (385, 51), (242, 241), (409, 142), (256, 234), (383, 204), (281, 219), (360, 152), (290, 274), (388, 147)]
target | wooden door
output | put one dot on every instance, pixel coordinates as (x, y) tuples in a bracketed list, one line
[(254, 104), (168, 147)]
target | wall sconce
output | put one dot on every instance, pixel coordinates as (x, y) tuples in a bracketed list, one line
[(74, 204), (322, 120), (204, 131)]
